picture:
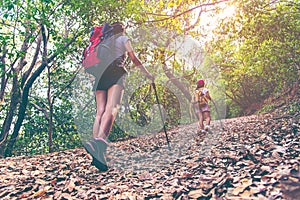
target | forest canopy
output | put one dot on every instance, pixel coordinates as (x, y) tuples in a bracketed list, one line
[(246, 50)]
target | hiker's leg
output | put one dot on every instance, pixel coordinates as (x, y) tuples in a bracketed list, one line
[(114, 97), (207, 119), (200, 116), (101, 96)]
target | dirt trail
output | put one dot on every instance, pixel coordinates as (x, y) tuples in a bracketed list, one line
[(254, 157)]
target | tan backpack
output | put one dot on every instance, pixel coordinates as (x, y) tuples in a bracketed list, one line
[(200, 97)]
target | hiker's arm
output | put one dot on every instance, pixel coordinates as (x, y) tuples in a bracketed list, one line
[(208, 96), (136, 61), (194, 98)]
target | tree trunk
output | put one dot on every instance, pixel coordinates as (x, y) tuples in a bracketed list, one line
[(178, 84), (51, 128), (24, 101), (14, 101), (22, 109), (50, 120), (3, 78), (16, 94)]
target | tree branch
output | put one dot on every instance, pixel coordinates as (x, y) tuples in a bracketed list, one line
[(182, 13), (42, 110)]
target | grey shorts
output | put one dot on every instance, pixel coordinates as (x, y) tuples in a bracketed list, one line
[(111, 76), (202, 109)]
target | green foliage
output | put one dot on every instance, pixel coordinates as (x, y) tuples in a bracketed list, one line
[(21, 37), (34, 137), (139, 113), (144, 97), (257, 51), (54, 24)]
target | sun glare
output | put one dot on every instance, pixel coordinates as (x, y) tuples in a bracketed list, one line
[(227, 12), (210, 19)]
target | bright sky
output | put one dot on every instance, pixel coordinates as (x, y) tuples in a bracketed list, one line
[(208, 22), (186, 46)]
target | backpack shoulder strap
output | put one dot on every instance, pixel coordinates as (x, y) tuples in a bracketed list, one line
[(197, 94)]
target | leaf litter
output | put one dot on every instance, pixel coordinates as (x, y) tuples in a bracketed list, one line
[(253, 157)]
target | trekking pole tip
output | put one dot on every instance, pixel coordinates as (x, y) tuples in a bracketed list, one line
[(169, 146)]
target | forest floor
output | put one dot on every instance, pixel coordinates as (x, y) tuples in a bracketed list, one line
[(253, 157)]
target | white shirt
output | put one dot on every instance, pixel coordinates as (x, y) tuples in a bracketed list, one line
[(121, 45)]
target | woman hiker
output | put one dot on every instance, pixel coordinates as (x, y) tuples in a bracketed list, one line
[(201, 97), (109, 91)]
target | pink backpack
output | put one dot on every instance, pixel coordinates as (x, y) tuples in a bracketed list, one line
[(90, 57)]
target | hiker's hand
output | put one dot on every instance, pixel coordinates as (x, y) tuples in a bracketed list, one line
[(150, 76)]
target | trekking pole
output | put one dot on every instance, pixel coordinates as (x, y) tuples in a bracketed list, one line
[(218, 114), (164, 125)]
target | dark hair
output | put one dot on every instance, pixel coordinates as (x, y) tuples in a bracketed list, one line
[(118, 27)]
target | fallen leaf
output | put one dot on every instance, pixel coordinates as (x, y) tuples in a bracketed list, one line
[(41, 192), (194, 194)]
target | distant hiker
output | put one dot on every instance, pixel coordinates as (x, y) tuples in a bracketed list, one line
[(201, 98), (109, 88)]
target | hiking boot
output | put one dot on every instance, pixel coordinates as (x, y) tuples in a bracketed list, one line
[(208, 129), (201, 131), (97, 149)]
